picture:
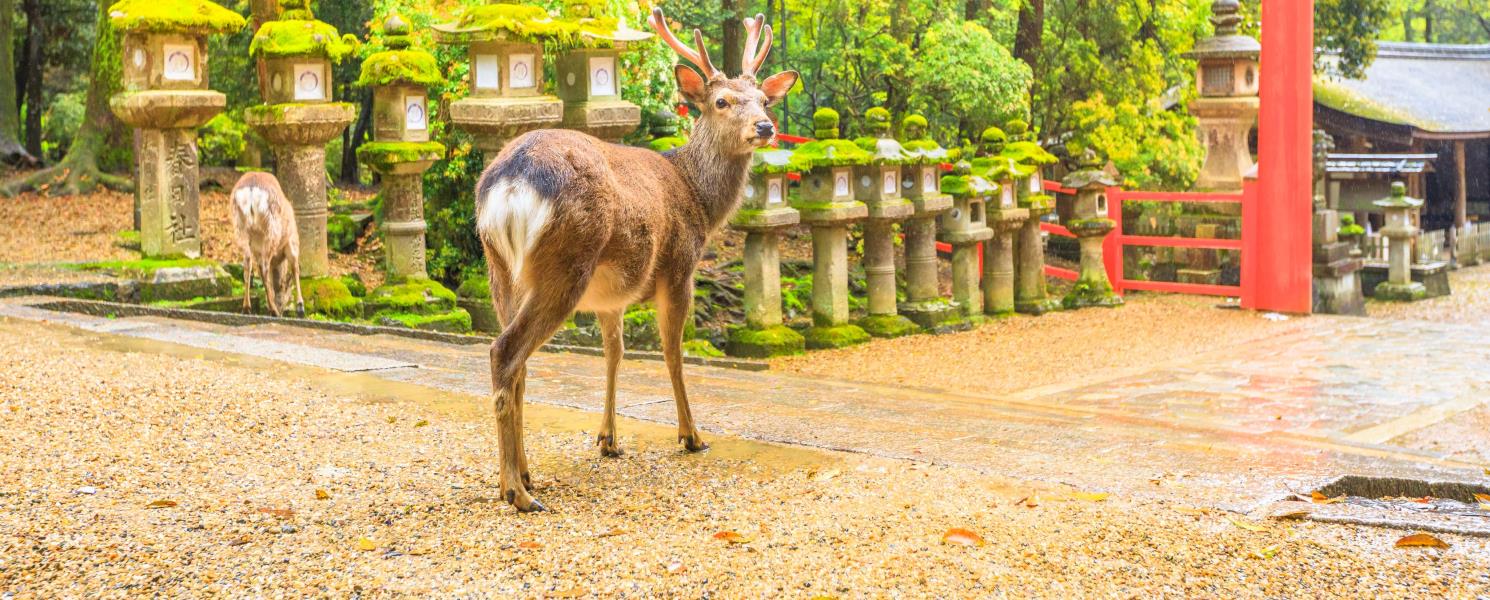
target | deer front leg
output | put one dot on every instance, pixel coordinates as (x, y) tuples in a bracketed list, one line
[(270, 276), (522, 448), (248, 284), (610, 332), (673, 303)]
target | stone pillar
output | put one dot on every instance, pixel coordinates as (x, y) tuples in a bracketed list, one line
[(166, 190), (1006, 218), (965, 290), (830, 275), (403, 219), (879, 266), (1337, 282), (762, 280), (1030, 293), (921, 281), (298, 134), (762, 216)]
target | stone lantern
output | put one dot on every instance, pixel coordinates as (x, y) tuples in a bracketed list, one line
[(504, 45), (165, 97), (1087, 219), (1006, 218), (1399, 230), (964, 227), (921, 181), (400, 151), (589, 76), (298, 116), (1227, 106), (877, 185), (826, 202), (1030, 296), (764, 213)]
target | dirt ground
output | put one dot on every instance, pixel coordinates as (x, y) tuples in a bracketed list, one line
[(1469, 301), (131, 468)]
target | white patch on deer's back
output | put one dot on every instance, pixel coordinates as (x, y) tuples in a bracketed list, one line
[(511, 220), (253, 202)]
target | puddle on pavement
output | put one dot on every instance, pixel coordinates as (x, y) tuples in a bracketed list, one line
[(367, 387), (1410, 495)]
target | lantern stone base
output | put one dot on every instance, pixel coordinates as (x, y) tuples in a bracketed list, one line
[(331, 298), (1401, 292), (606, 119), (1433, 276), (998, 261), (888, 326), (1224, 123), (836, 336), (1092, 286), (402, 165), (418, 303), (936, 315), (879, 275), (493, 121), (167, 109), (163, 280), (778, 340)]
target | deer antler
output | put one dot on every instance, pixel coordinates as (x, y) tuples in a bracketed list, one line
[(699, 56), (758, 34)]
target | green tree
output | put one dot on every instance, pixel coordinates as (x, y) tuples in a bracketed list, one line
[(10, 111)]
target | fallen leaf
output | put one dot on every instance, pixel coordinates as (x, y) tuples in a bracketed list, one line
[(1421, 540), (962, 537), (322, 495), (421, 423), (1090, 496), (826, 476), (239, 541), (530, 545), (676, 567), (1319, 498), (366, 545), (1292, 514), (732, 537), (420, 551), (1485, 506), (1246, 525), (392, 420), (612, 533), (1189, 510), (1482, 497), (161, 504), (1423, 500), (283, 513), (1264, 553)]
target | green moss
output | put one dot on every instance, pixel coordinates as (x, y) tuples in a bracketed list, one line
[(820, 338), (765, 343), (163, 16), (330, 297), (663, 144), (888, 326), (1087, 293), (829, 153), (354, 284), (1341, 98), (143, 268), (1029, 153), (534, 24), (453, 321), (274, 113), (1392, 292), (1349, 228), (302, 38), (1098, 224), (913, 121), (825, 118), (401, 66), (993, 135), (383, 154), (412, 296), (341, 233), (701, 348), (475, 287), (1037, 201)]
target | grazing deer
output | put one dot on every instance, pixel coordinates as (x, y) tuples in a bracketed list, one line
[(265, 224), (569, 222)]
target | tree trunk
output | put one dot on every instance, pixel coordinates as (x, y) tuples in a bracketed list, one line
[(78, 172), (1429, 11), (1407, 25), (32, 74), (973, 10), (10, 112), (733, 35), (1030, 33), (352, 139)]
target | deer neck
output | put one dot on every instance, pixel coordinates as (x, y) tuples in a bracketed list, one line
[(716, 178)]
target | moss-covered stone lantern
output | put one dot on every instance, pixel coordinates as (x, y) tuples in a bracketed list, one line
[(1030, 294), (877, 185), (920, 182), (964, 227), (1005, 217), (1088, 221), (165, 97), (589, 74), (1227, 76), (826, 202), (298, 116), (764, 213), (400, 151), (504, 44), (1399, 231)]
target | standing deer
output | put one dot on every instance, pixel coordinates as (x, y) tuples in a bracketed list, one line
[(264, 222), (571, 223)]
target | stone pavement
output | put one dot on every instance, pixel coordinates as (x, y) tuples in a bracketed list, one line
[(1236, 428)]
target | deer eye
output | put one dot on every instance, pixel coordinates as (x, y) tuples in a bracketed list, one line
[(721, 103)]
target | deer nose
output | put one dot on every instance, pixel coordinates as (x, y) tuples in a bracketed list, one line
[(765, 129)]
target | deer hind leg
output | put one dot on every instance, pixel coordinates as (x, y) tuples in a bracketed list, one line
[(295, 275), (610, 332), (248, 283), (499, 283), (673, 303), (269, 269)]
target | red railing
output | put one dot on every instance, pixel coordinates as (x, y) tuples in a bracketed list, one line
[(1115, 246)]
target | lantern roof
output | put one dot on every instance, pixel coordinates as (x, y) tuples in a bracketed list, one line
[(1399, 198), (400, 63), (172, 16), (300, 37), (964, 182), (829, 153), (1089, 173), (1029, 153), (533, 24), (1226, 43), (771, 161)]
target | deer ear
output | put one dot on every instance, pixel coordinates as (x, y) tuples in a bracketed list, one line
[(776, 86), (691, 85)]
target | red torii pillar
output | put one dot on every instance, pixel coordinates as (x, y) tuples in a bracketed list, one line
[(1277, 218)]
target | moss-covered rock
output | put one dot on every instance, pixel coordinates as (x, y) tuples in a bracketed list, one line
[(330, 298), (1392, 292), (937, 315), (745, 342), (128, 239), (159, 279), (888, 326), (701, 348), (354, 284), (453, 321), (415, 67), (822, 338), (162, 16), (475, 287), (474, 295), (410, 296), (1089, 293)]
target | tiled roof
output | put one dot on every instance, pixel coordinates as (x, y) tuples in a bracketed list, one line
[(1435, 88)]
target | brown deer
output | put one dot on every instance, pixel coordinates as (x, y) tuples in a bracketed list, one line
[(264, 222), (571, 223)]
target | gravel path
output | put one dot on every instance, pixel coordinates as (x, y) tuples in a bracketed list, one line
[(1469, 301), (232, 452), (1063, 347)]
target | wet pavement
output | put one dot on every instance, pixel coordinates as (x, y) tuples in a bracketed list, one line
[(1237, 428)]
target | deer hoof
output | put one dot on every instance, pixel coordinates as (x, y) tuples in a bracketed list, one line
[(693, 443), (523, 501), (300, 310), (608, 446)]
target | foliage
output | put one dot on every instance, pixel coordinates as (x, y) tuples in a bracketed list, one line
[(961, 71), (1152, 148), (60, 123), (222, 140)]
